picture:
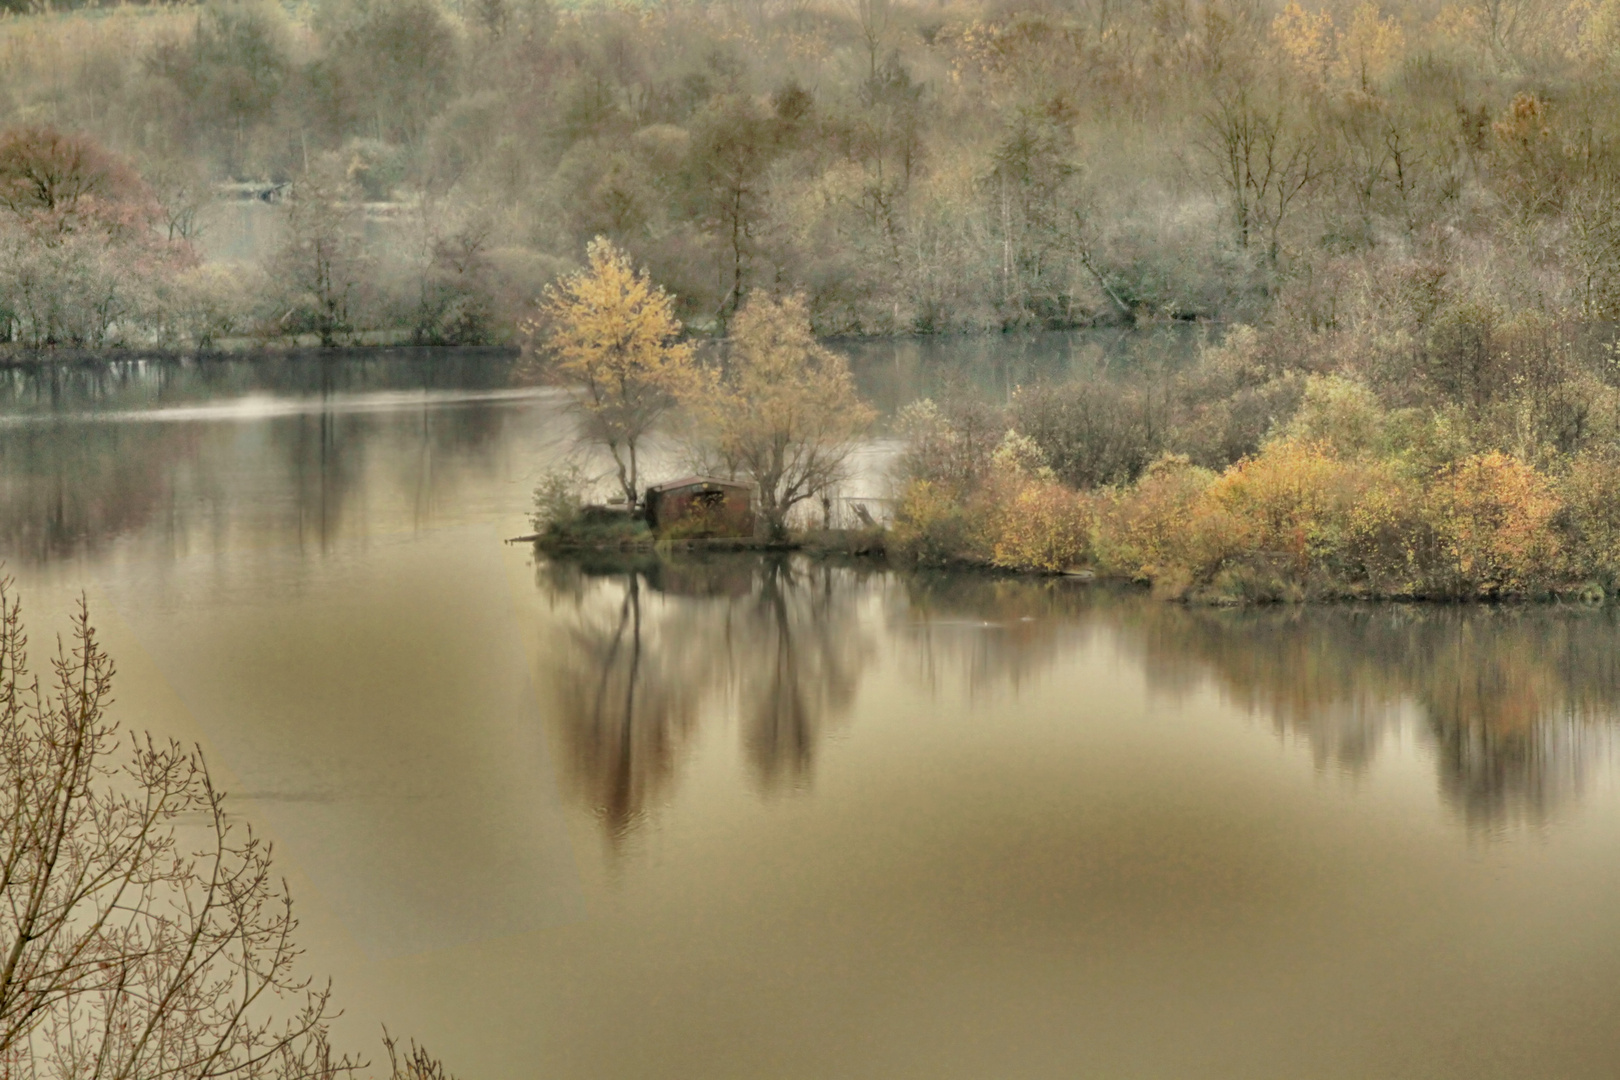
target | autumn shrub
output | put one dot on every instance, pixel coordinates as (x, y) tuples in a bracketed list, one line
[(1020, 518), (1389, 543), (1493, 517), (1096, 431), (932, 525), (1216, 427), (1341, 415), (1289, 501), (950, 442), (1274, 526), (564, 519), (1279, 525), (1592, 518), (1039, 524), (1141, 531), (558, 500)]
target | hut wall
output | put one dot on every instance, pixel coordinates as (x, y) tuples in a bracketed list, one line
[(726, 511)]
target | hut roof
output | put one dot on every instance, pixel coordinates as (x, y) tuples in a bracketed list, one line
[(694, 481)]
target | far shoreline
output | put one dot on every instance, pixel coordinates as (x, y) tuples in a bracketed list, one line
[(38, 359)]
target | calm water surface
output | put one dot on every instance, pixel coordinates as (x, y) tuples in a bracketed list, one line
[(750, 817)]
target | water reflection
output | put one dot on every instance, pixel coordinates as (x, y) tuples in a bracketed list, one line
[(64, 488), (894, 371), (655, 645), (986, 635), (1515, 706), (1517, 702), (301, 470), (100, 384)]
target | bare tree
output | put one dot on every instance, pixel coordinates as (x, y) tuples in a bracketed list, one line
[(321, 262), (1263, 153), (875, 20), (413, 1062), (1592, 248), (143, 933), (1508, 28), (182, 191)]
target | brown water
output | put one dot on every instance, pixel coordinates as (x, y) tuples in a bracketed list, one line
[(748, 817)]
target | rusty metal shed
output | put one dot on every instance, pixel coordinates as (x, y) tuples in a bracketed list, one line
[(702, 506)]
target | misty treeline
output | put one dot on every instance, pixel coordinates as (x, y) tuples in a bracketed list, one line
[(906, 166)]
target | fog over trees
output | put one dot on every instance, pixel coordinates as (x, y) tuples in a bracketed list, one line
[(907, 167)]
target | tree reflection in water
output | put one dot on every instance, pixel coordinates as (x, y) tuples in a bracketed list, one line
[(627, 691), (654, 644), (315, 471), (1517, 700), (803, 651), (1514, 703)]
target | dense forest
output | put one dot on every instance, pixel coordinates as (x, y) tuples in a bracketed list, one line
[(909, 167)]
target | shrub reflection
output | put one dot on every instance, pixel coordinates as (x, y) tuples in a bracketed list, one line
[(1513, 703), (1515, 700)]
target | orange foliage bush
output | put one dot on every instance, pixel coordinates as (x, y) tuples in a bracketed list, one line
[(1289, 502), (1493, 517), (1019, 520), (1264, 527), (1141, 531), (1040, 524), (1296, 520), (1592, 512)]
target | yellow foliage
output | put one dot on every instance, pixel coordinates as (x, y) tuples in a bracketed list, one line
[(610, 334), (1588, 492), (1305, 39), (1040, 525), (1018, 521), (1340, 414), (1598, 36), (1295, 520), (1308, 520), (1288, 503), (1388, 545), (931, 525), (1370, 47), (1493, 517), (1142, 532), (783, 412)]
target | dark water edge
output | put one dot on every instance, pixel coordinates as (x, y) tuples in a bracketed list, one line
[(70, 357), (890, 371), (99, 381)]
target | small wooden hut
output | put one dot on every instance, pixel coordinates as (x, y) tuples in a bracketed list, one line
[(701, 506)]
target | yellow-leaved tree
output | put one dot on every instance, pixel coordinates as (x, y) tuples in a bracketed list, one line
[(611, 335), (781, 411)]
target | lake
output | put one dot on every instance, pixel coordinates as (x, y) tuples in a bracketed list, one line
[(753, 816)]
